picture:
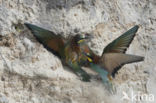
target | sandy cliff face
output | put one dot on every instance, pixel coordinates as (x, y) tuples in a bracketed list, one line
[(31, 74)]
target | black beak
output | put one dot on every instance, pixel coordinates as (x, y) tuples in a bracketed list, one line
[(88, 36)]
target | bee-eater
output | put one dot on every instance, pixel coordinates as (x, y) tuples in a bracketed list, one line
[(113, 56), (68, 50)]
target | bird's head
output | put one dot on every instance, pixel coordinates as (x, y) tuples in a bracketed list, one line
[(81, 38)]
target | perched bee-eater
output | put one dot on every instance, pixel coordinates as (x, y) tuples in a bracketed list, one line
[(68, 50)]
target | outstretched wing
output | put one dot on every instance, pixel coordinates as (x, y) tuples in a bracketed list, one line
[(49, 39), (121, 44), (113, 61)]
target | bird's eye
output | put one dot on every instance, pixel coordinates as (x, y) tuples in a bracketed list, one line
[(88, 54)]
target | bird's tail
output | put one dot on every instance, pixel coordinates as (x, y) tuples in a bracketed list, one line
[(104, 76)]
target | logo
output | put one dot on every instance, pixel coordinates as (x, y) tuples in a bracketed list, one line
[(139, 96)]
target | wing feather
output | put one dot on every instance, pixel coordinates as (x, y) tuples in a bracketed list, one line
[(114, 61), (48, 38), (121, 44)]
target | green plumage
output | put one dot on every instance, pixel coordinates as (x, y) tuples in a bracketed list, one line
[(121, 44), (75, 53), (104, 76), (113, 56), (66, 49)]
